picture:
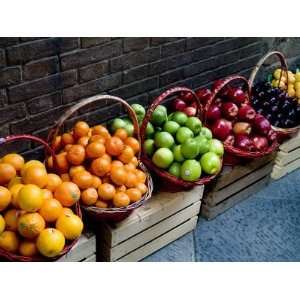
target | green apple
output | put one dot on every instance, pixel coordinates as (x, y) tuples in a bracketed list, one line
[(171, 127), (116, 124), (194, 124), (183, 134), (129, 128), (217, 147), (159, 116), (206, 132), (190, 170), (149, 130), (203, 143), (174, 169), (163, 158), (179, 117), (210, 163), (139, 111), (149, 147), (190, 149), (177, 153), (163, 139)]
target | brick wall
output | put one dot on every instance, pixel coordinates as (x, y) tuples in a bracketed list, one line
[(41, 77)]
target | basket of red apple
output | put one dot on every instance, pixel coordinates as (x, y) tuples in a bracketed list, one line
[(231, 118), (176, 147), (276, 96)]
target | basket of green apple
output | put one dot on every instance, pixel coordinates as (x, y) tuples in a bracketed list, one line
[(176, 147)]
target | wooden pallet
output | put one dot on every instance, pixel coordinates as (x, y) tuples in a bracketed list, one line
[(236, 184), (288, 158), (165, 218)]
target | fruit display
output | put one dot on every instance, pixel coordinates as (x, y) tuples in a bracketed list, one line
[(176, 143), (234, 121), (35, 217)]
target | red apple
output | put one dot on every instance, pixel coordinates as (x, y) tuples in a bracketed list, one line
[(243, 142), (190, 111), (246, 113), (214, 113), (203, 94), (261, 125), (187, 96), (194, 104), (178, 105), (260, 142), (242, 128), (272, 135), (237, 95), (221, 129), (229, 110), (218, 101), (229, 140)]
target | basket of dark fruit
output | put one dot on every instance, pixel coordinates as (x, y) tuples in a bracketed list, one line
[(176, 147), (276, 97), (228, 113)]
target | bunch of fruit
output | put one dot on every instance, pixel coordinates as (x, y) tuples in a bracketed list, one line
[(35, 208), (185, 103), (102, 164), (276, 105), (235, 122), (180, 144), (287, 81)]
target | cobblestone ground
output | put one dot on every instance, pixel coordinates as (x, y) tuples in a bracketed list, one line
[(265, 227)]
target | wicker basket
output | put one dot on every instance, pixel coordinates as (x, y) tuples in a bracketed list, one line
[(229, 149), (170, 182), (282, 132), (112, 214), (68, 247)]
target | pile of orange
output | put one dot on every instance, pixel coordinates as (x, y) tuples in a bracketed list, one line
[(102, 165), (35, 208)]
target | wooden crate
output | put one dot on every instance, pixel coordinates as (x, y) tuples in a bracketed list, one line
[(236, 184), (165, 218), (288, 158)]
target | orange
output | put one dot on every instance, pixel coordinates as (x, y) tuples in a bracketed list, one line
[(51, 210), (106, 179), (95, 150), (81, 129), (30, 198), (28, 248), (5, 198), (101, 130), (114, 146), (65, 177), (67, 138), (100, 166), (16, 160), (126, 155), (47, 194), (11, 219), (14, 181), (107, 157), (133, 143), (67, 210), (121, 133), (106, 191), (121, 199), (118, 175), (9, 241), (83, 141), (89, 133), (67, 194), (50, 162), (31, 163), (89, 196), (134, 194), (96, 182), (68, 147), (116, 163), (97, 138), (62, 162), (53, 182), (30, 225), (141, 176), (131, 180), (14, 190), (129, 167), (75, 169), (50, 242), (101, 204), (35, 175), (56, 143), (135, 161), (83, 179), (121, 188), (76, 155), (142, 187), (70, 225), (7, 172), (2, 224)]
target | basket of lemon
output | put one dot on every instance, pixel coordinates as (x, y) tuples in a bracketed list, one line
[(104, 162), (40, 217)]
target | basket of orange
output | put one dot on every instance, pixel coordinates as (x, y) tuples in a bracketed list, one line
[(104, 163), (40, 217)]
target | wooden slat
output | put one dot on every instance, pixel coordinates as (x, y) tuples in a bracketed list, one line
[(92, 258), (144, 237), (284, 158), (211, 212), (279, 171), (215, 197), (161, 241), (159, 207), (291, 144)]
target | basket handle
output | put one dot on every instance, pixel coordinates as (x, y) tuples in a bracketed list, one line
[(12, 138), (219, 87), (281, 58), (160, 99), (97, 98)]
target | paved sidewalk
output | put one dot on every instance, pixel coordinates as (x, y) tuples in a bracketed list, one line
[(265, 227)]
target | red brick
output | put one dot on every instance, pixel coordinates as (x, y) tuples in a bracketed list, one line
[(93, 71), (9, 76), (135, 43), (87, 42), (12, 112), (44, 103)]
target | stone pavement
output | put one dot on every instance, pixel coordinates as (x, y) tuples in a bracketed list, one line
[(265, 227)]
